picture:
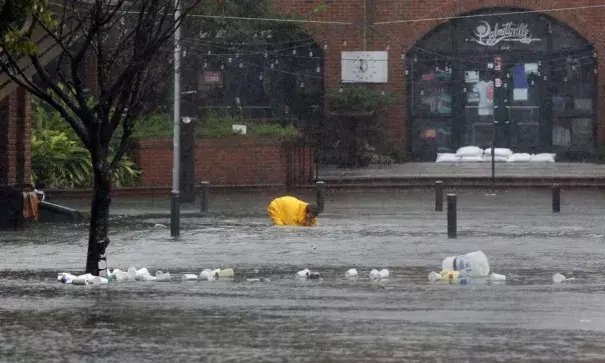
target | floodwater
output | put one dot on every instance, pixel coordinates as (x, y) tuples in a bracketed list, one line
[(400, 319)]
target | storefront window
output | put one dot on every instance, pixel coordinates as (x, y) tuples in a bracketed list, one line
[(523, 81)]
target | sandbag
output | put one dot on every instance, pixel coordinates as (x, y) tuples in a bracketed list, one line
[(543, 158), (471, 159), (498, 151), (469, 151), (519, 158), (497, 159), (447, 158)]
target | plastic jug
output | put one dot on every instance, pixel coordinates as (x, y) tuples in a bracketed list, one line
[(474, 264), (226, 273)]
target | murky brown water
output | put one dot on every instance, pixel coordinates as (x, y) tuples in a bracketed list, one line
[(335, 320)]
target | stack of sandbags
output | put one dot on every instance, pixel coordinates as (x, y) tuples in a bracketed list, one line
[(470, 154), (501, 155)]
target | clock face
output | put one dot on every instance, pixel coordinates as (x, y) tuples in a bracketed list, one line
[(364, 68)]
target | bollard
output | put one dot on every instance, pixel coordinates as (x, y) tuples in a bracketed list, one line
[(451, 216), (320, 186), (438, 196), (204, 197), (556, 198)]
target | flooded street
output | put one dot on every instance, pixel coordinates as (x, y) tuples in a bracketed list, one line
[(402, 318)]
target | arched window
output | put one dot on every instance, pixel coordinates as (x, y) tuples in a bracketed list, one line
[(520, 80)]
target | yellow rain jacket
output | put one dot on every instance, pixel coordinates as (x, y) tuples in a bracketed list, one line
[(289, 211)]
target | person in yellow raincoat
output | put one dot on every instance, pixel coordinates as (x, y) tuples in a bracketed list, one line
[(289, 211)]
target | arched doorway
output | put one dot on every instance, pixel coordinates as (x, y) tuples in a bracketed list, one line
[(525, 80)]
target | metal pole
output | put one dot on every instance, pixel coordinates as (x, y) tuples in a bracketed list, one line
[(438, 196), (175, 208), (204, 197), (320, 195), (556, 198), (494, 159), (452, 220)]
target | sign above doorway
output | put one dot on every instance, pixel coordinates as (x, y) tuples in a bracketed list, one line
[(489, 35)]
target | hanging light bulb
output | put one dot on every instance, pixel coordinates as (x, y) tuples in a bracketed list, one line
[(340, 90), (229, 60), (382, 93), (205, 65), (222, 66), (388, 48), (272, 65), (325, 46), (294, 51), (344, 43), (209, 52), (277, 61), (266, 54), (402, 56), (237, 55), (241, 65), (260, 76), (310, 53), (302, 84), (415, 59), (318, 69)]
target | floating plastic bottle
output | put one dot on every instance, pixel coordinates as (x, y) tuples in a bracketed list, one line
[(162, 277), (494, 277), (96, 280), (79, 281), (434, 276), (226, 273), (303, 274), (351, 273), (206, 275), (132, 273), (383, 274), (558, 278), (142, 274), (374, 274), (189, 277), (474, 264)]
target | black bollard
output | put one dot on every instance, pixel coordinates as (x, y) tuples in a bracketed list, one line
[(320, 186), (204, 196), (451, 216), (438, 196), (556, 198)]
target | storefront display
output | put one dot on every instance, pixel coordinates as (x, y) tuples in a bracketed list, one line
[(521, 81)]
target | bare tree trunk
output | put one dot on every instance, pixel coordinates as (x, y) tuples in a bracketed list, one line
[(99, 214)]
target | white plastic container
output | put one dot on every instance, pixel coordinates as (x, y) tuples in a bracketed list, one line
[(226, 273), (303, 274), (474, 264), (206, 275), (383, 274), (162, 277), (96, 280), (557, 278), (132, 273), (434, 276), (374, 274), (497, 277), (351, 273), (189, 277), (79, 281)]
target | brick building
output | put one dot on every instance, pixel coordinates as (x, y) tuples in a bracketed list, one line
[(457, 65), (522, 70)]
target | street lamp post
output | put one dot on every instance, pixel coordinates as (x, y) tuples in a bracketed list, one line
[(175, 208)]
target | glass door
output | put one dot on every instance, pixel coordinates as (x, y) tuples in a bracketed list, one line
[(522, 100)]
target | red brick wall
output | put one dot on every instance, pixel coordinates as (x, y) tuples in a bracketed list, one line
[(15, 160), (227, 161), (590, 23)]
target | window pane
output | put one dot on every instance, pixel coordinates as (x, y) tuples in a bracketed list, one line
[(573, 86), (431, 136), (431, 87)]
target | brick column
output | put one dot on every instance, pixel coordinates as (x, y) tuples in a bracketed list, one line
[(15, 152)]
